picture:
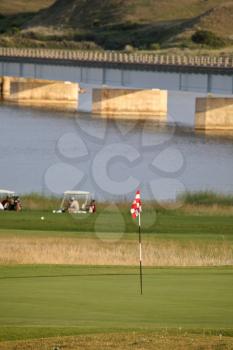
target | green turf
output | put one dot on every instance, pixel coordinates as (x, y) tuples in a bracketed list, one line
[(38, 301), (166, 223)]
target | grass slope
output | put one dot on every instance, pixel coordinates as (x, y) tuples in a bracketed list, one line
[(114, 24), (19, 6), (77, 13), (44, 301), (126, 341)]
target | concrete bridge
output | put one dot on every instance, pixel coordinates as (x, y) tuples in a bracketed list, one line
[(205, 74)]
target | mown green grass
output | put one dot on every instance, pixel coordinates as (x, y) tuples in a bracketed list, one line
[(38, 301), (166, 223)]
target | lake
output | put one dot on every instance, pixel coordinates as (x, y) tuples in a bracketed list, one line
[(50, 152)]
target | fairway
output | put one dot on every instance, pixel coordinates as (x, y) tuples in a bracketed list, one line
[(67, 300), (118, 220)]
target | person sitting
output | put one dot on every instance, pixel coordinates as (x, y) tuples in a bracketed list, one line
[(5, 203), (73, 206), (11, 204), (92, 207), (17, 204)]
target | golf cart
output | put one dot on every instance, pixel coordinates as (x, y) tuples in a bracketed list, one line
[(76, 202), (9, 201)]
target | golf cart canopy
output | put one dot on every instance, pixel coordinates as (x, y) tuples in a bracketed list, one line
[(7, 193), (78, 193)]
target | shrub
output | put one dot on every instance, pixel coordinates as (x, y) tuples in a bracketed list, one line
[(208, 38), (155, 46)]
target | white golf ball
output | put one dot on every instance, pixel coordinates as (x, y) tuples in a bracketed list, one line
[(42, 218)]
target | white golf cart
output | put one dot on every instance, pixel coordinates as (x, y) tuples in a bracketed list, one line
[(6, 193), (82, 200)]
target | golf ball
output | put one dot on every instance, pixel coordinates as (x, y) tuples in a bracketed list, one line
[(42, 218)]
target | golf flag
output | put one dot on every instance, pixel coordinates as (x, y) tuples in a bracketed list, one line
[(136, 207), (135, 210)]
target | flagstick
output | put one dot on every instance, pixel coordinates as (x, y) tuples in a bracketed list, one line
[(140, 249)]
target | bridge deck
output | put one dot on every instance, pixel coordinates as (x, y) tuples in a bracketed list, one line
[(113, 59)]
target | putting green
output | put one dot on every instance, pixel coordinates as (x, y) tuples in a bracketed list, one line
[(53, 300)]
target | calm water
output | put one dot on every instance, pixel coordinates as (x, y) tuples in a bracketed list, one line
[(50, 152)]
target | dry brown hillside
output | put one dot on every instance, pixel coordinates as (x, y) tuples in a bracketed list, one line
[(118, 24), (219, 20), (83, 13), (9, 7)]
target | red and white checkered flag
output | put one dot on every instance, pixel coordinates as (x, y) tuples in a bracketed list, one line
[(136, 207)]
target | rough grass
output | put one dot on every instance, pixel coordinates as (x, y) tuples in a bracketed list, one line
[(104, 251), (207, 199), (35, 201), (126, 341)]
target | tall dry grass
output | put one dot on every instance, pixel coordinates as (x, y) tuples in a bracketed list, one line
[(126, 341), (24, 250)]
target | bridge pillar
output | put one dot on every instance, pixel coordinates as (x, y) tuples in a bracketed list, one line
[(214, 113), (130, 103), (40, 93)]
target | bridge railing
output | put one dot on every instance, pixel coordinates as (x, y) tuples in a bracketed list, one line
[(119, 57)]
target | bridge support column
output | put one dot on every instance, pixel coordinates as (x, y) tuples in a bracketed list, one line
[(40, 93), (130, 103), (214, 113)]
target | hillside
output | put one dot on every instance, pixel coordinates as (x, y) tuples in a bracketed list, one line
[(10, 7), (218, 20), (119, 24), (79, 13)]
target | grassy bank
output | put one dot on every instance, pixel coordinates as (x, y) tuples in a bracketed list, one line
[(198, 234), (127, 340)]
